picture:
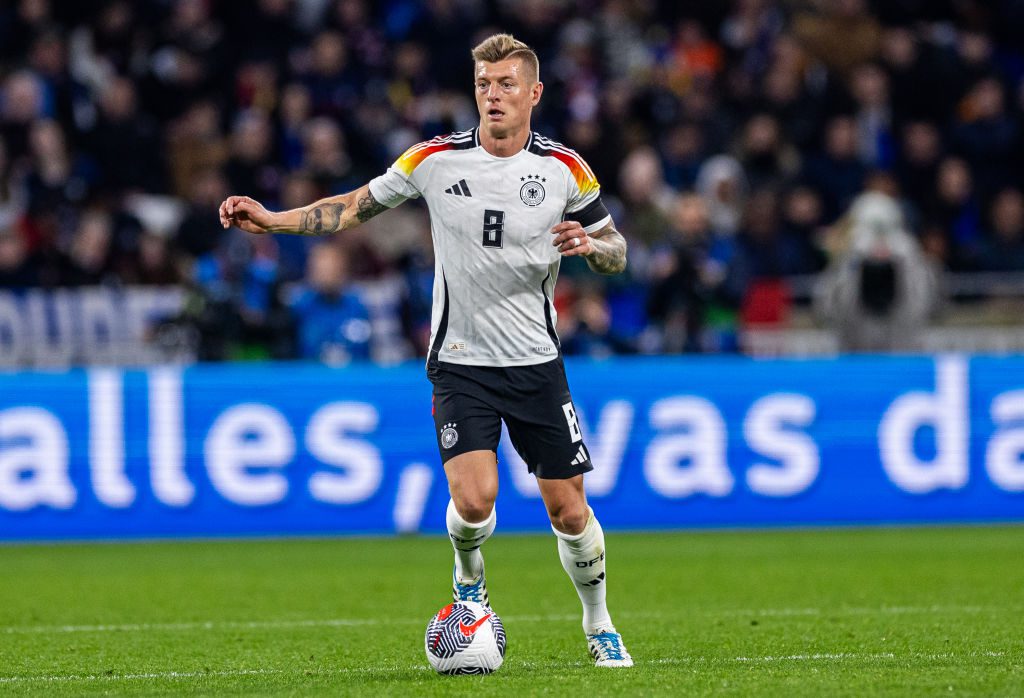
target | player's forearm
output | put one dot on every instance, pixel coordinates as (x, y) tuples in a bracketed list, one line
[(323, 217), (330, 215), (609, 255)]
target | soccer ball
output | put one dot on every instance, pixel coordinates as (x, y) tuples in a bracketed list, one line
[(465, 638)]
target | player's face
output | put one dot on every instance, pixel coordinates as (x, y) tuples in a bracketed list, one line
[(505, 95)]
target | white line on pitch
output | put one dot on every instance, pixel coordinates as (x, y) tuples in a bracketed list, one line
[(247, 625), (134, 677), (860, 610), (817, 657), (357, 622)]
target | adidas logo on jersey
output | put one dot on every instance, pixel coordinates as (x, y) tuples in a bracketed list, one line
[(581, 456), (459, 189)]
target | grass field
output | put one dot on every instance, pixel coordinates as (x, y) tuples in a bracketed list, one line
[(850, 612)]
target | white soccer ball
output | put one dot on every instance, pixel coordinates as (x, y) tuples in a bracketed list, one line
[(465, 638)]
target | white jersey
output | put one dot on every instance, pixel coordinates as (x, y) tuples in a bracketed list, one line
[(491, 220)]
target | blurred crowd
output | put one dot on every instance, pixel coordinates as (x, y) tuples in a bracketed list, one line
[(739, 144)]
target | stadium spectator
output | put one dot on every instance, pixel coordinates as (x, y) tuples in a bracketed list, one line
[(17, 269), (841, 34), (973, 60), (11, 194), (22, 105), (268, 27), (366, 39), (107, 43), (645, 195), (48, 60), (125, 142), (195, 144), (869, 86), (722, 183), (90, 255), (325, 157), (1003, 247), (751, 29), (682, 151), (986, 135), (692, 56), (686, 277), (152, 263), (916, 88), (918, 162), (880, 292), (786, 95), (837, 171), (333, 86), (767, 160), (239, 280), (55, 182), (448, 27), (28, 19), (253, 165), (197, 235), (333, 325), (585, 328), (955, 208), (765, 254), (802, 221), (296, 107)]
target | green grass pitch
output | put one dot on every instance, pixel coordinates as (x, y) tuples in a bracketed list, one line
[(915, 612)]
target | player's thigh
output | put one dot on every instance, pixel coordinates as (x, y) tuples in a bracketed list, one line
[(542, 423), (473, 483), (465, 418), (468, 428)]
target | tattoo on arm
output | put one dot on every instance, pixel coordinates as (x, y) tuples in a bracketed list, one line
[(609, 255), (324, 219), (368, 207)]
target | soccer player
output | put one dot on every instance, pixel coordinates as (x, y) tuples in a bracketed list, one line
[(505, 205)]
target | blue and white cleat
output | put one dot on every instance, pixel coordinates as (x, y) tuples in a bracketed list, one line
[(607, 649), (474, 591)]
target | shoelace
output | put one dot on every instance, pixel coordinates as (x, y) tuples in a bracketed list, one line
[(608, 645), (472, 592)]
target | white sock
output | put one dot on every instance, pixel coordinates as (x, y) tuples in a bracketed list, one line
[(467, 539), (582, 557)]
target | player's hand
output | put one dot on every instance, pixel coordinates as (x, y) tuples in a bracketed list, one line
[(571, 239), (246, 213)]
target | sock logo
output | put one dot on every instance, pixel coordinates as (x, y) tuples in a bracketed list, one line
[(590, 563), (460, 542), (449, 437)]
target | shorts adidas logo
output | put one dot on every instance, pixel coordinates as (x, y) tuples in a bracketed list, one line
[(458, 189), (581, 456)]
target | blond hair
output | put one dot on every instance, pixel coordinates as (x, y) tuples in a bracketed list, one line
[(500, 47)]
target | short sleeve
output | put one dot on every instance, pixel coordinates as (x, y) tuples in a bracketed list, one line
[(392, 188), (584, 205), (406, 177)]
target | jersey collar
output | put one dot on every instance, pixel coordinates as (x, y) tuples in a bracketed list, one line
[(476, 139)]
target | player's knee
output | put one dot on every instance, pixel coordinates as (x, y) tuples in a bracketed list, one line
[(474, 509), (570, 519)]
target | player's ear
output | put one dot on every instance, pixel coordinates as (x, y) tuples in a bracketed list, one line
[(537, 91)]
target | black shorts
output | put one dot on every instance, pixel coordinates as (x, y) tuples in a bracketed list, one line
[(470, 403)]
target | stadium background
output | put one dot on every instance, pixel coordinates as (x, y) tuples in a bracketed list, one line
[(795, 179)]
